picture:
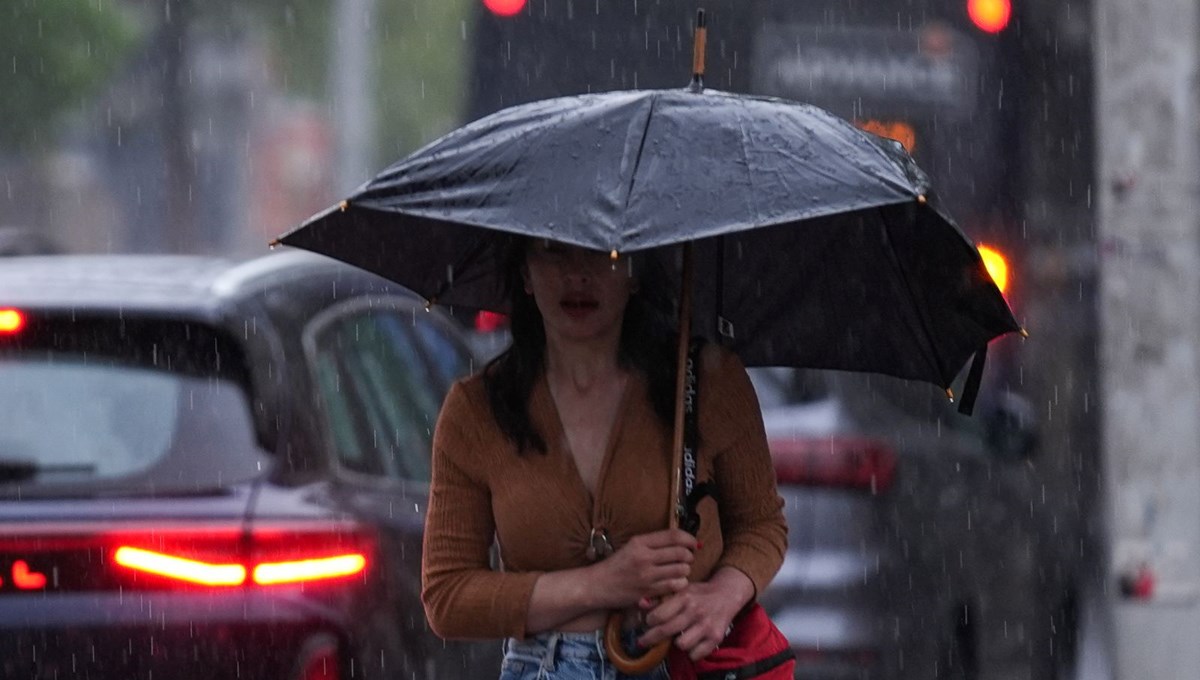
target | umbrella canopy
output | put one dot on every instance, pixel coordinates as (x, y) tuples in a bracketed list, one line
[(817, 244)]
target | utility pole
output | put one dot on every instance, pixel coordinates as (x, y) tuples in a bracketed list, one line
[(179, 157), (1148, 193), (353, 81)]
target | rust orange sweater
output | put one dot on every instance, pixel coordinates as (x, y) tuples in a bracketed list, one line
[(538, 509)]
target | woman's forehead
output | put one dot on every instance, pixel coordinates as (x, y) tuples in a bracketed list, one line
[(545, 243)]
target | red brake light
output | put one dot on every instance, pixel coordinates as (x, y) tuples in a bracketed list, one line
[(486, 322), (25, 578), (180, 568), (504, 8), (990, 16), (847, 462), (295, 571), (11, 321), (269, 555)]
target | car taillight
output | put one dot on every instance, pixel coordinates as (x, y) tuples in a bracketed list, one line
[(11, 321), (846, 462), (180, 568), (488, 322), (266, 556)]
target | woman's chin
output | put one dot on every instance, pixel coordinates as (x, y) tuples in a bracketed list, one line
[(589, 327)]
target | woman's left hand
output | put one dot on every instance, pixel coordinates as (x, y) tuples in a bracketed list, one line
[(698, 616)]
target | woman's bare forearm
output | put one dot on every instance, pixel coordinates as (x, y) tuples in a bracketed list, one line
[(562, 596)]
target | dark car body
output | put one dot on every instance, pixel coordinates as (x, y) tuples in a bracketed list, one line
[(922, 543), (213, 469)]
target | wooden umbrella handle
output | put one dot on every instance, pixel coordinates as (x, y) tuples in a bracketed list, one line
[(626, 663)]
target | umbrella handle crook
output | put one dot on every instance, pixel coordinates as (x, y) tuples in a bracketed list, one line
[(626, 663)]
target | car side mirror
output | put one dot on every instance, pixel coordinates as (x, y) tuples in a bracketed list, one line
[(1010, 427)]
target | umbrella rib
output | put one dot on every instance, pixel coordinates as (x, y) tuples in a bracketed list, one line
[(746, 165), (637, 161), (931, 345)]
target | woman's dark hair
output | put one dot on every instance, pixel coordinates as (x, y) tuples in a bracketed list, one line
[(647, 345)]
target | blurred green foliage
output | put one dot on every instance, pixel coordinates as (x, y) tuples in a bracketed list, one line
[(423, 46), (54, 55), (420, 56)]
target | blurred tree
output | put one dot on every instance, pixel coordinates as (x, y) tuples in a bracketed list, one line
[(420, 50), (55, 54), (422, 46)]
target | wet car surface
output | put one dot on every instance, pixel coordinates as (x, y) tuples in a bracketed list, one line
[(918, 537), (212, 469)]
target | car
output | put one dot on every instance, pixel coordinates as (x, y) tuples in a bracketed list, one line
[(921, 541), (218, 469)]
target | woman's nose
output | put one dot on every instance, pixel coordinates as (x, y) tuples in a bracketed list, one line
[(583, 263)]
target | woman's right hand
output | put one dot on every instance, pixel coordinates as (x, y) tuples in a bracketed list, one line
[(649, 565)]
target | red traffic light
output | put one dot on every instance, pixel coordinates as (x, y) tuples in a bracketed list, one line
[(11, 321), (990, 16), (504, 8)]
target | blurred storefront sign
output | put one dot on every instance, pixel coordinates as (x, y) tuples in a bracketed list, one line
[(923, 71)]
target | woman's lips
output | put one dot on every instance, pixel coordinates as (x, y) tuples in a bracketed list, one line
[(579, 307)]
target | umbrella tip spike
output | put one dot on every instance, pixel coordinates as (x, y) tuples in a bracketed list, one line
[(430, 303), (614, 255), (274, 243), (1024, 333), (344, 206), (950, 395), (921, 199)]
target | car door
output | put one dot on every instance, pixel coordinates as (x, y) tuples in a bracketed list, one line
[(382, 368)]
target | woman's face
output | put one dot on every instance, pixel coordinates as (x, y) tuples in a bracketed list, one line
[(581, 293)]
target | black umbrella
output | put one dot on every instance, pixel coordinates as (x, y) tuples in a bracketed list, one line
[(817, 244), (811, 242)]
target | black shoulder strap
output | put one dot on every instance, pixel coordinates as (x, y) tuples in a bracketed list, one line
[(689, 519)]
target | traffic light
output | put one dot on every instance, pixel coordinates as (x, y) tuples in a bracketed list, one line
[(990, 16), (504, 8), (996, 265), (11, 320)]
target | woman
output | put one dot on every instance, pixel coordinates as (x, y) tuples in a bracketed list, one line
[(559, 453)]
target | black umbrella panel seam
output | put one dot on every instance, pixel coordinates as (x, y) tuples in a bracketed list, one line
[(480, 245), (637, 163), (719, 295), (477, 248), (927, 340)]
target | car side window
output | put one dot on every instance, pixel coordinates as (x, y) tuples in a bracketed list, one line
[(380, 400), (448, 359)]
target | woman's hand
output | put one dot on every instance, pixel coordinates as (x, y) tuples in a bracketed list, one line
[(699, 616), (648, 566)]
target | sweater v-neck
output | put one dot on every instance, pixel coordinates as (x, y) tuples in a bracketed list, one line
[(562, 444)]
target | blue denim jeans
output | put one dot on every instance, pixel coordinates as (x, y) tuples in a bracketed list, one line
[(564, 656)]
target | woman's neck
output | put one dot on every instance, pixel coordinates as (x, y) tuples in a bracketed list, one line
[(582, 366)]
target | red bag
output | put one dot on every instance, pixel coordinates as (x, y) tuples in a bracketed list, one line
[(754, 648)]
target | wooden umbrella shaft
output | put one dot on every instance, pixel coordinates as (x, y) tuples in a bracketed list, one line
[(699, 44), (624, 662)]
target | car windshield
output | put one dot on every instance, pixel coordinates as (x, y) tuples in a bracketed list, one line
[(123, 407)]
